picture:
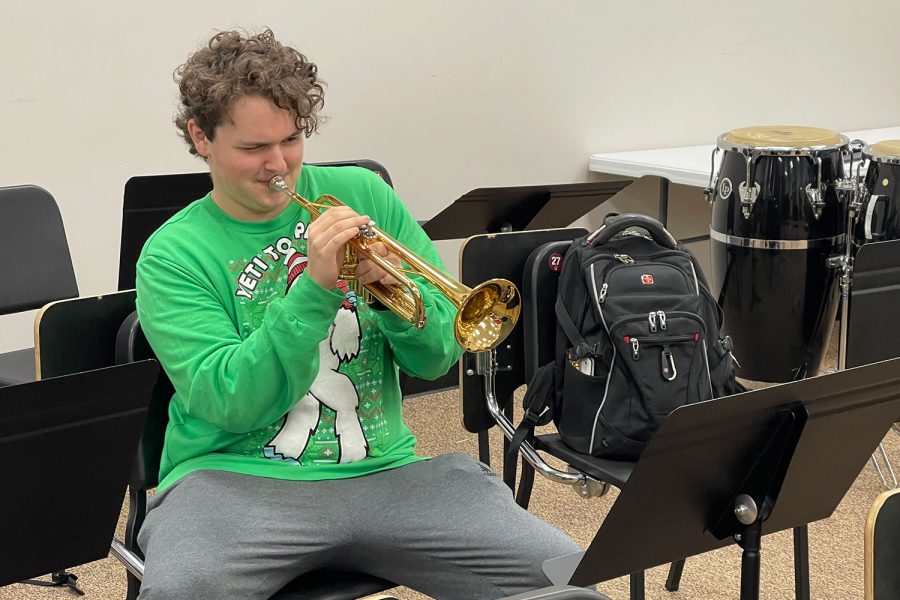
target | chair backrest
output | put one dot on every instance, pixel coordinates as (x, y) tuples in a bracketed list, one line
[(131, 345), (151, 199), (540, 282), (882, 552), (34, 249)]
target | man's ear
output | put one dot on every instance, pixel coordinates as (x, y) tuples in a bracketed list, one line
[(200, 139)]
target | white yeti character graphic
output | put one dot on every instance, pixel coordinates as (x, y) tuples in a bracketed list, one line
[(330, 387)]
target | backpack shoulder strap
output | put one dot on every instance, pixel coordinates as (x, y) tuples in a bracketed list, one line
[(565, 321), (538, 411)]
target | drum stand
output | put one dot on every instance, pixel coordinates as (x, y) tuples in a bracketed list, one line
[(845, 284), (845, 264)]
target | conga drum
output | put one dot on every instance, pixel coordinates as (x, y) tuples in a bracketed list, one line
[(777, 218), (878, 217)]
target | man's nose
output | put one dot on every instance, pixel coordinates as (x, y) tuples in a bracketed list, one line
[(275, 162)]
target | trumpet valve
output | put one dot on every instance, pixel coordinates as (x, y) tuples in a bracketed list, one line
[(367, 231)]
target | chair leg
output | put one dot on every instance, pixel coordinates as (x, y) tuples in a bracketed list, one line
[(801, 562), (484, 447), (134, 588), (526, 483), (888, 484), (136, 513), (636, 583), (674, 578)]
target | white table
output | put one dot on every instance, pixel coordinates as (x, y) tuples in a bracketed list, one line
[(689, 165)]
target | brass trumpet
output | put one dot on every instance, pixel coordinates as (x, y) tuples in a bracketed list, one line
[(485, 314)]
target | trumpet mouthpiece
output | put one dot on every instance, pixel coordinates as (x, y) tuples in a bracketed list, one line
[(277, 183)]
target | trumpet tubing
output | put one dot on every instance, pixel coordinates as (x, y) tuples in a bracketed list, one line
[(485, 314)]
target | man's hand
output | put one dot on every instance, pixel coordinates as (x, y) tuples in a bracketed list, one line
[(369, 272), (328, 237)]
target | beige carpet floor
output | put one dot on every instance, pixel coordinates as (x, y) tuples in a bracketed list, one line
[(836, 543)]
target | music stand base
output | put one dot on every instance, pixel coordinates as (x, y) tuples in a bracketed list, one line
[(59, 579)]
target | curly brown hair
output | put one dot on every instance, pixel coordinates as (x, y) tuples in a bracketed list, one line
[(234, 65)]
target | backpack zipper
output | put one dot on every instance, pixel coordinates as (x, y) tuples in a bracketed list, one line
[(612, 363), (628, 257), (662, 319), (616, 267), (636, 341), (666, 359)]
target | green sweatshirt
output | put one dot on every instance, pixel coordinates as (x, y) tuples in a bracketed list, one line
[(274, 375)]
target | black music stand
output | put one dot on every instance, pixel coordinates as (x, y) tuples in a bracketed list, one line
[(66, 448), (492, 210), (740, 467), (873, 331)]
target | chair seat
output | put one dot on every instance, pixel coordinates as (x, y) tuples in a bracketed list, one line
[(17, 367), (615, 472), (332, 585)]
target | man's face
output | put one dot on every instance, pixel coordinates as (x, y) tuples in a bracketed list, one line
[(257, 142)]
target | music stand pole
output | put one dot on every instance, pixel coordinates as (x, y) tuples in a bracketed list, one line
[(751, 542), (757, 493)]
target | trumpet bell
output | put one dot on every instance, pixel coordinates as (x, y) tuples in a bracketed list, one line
[(487, 315)]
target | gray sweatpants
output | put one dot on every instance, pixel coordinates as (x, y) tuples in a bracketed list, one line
[(447, 527)]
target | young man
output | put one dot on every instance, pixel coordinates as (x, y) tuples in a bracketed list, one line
[(286, 450)]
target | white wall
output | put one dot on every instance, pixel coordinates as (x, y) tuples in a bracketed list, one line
[(449, 95)]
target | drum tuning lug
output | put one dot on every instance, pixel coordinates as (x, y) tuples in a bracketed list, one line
[(710, 194), (748, 197), (814, 195)]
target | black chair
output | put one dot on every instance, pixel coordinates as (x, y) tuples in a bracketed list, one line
[(36, 259), (131, 345), (882, 552)]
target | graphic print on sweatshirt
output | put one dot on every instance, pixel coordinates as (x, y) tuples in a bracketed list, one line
[(341, 416), (330, 388)]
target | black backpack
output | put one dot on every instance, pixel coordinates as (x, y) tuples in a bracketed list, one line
[(637, 336)]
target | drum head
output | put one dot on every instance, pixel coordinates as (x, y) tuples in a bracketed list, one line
[(887, 151), (784, 136)]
